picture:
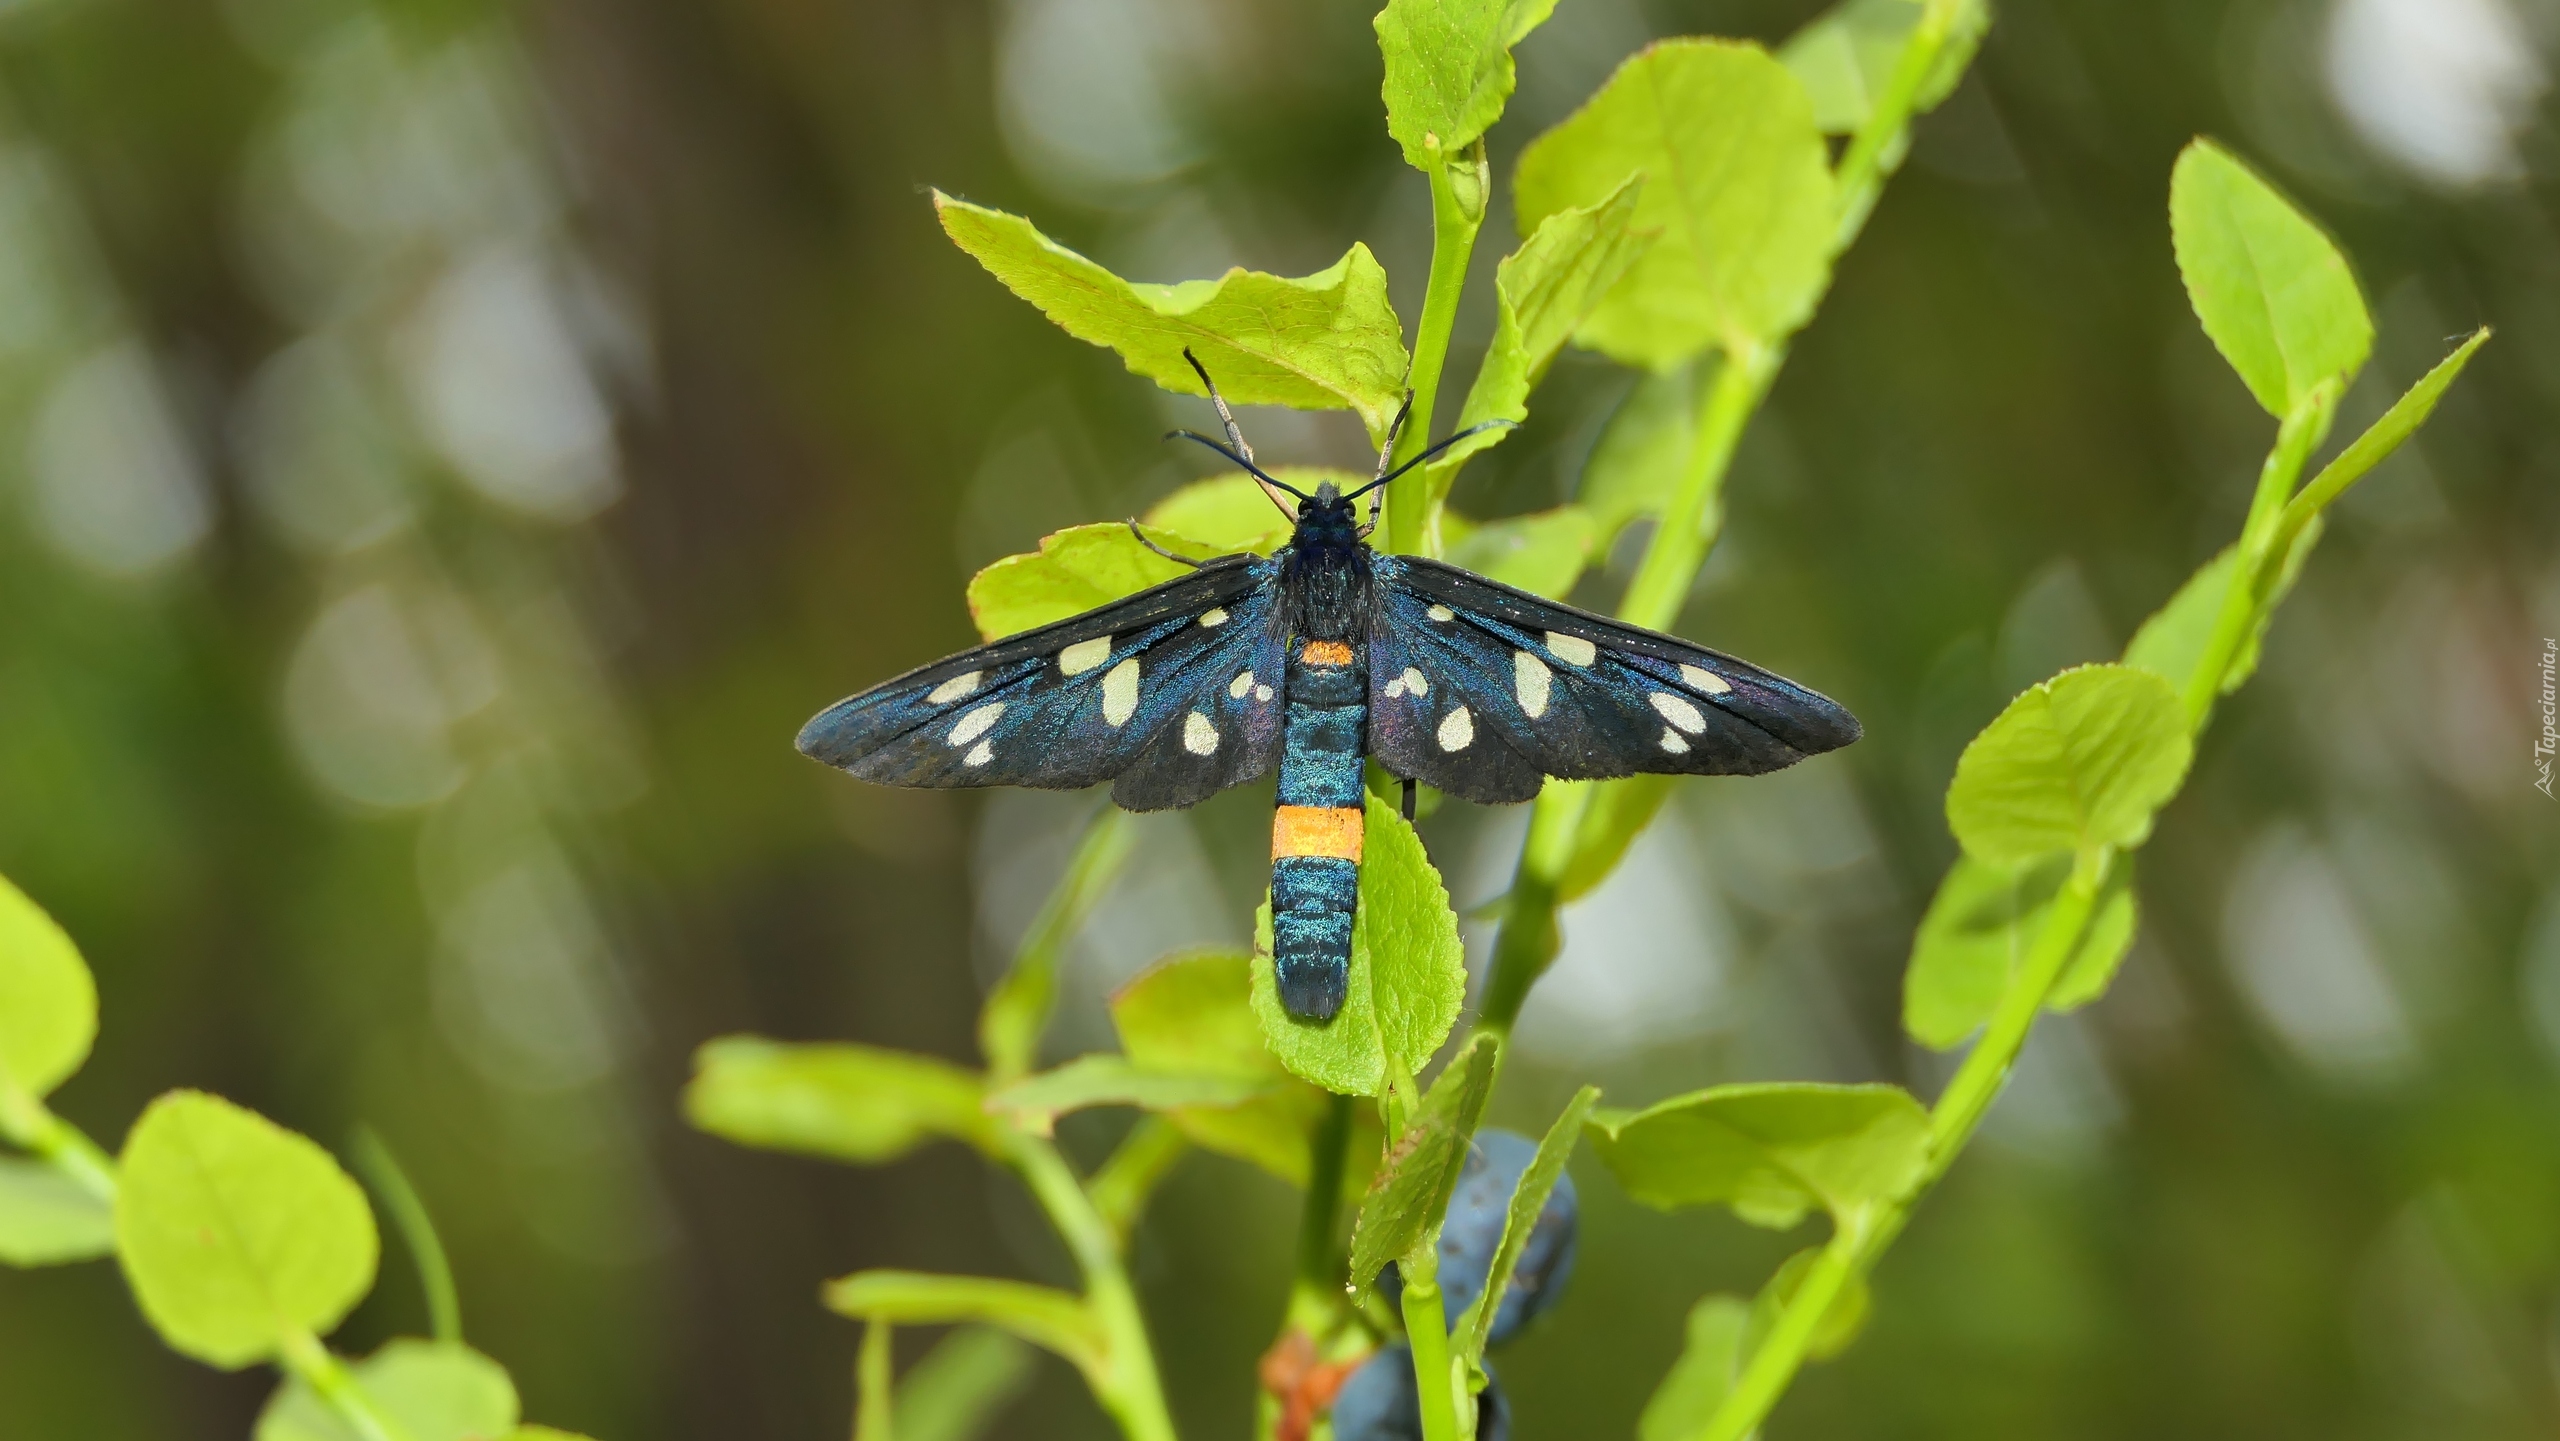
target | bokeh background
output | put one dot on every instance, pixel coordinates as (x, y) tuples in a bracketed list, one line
[(447, 447)]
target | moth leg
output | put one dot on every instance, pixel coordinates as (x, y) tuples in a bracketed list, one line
[(1406, 804), (1160, 550)]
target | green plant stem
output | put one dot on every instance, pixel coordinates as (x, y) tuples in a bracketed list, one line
[(1124, 1184), (1017, 1011), (1858, 1243), (63, 1146), (1129, 1387), (1426, 1330), (315, 1366), (2302, 429), (383, 1172), (1320, 1216), (875, 1387), (1458, 188), (1877, 149)]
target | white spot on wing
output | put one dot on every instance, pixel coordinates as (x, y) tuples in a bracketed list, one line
[(979, 754), (1084, 655), (1530, 678), (1242, 683), (1571, 649), (1671, 742), (1120, 693), (1457, 730), (1395, 688), (1704, 679), (1262, 692), (1214, 616), (1415, 682), (956, 687), (1441, 613), (1198, 736), (1678, 711), (976, 723)]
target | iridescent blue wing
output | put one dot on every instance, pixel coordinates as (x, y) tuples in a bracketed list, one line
[(1171, 694), (1480, 689)]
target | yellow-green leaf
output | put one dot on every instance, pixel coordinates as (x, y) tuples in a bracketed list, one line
[(1770, 1151), (1980, 929), (48, 1003), (2271, 289), (837, 1100), (434, 1390), (1074, 570), (2080, 761)]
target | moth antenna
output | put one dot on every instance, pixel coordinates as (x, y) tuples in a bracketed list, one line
[(1235, 436), (1256, 471), (1426, 455), (1395, 430), (1160, 550)]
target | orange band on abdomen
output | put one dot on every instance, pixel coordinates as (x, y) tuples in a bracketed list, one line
[(1326, 653), (1316, 831)]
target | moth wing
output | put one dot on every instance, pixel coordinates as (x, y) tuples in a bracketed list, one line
[(1087, 699), (1575, 695)]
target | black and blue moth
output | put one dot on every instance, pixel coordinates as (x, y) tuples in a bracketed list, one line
[(1308, 661)]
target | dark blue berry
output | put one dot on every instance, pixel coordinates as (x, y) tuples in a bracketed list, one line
[(1473, 1232), (1379, 1403)]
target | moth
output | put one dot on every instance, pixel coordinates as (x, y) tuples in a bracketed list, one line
[(1311, 661)]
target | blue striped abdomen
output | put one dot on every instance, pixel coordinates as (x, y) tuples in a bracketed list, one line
[(1316, 830)]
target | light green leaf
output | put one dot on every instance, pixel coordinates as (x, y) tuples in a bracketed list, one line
[(434, 1390), (1408, 971), (1847, 56), (2382, 437), (1411, 1189), (1037, 1101), (235, 1233), (1074, 570), (1543, 553), (1618, 813), (1641, 453), (1194, 1014), (1041, 1315), (1770, 1151), (1327, 341), (1736, 181), (1698, 1381), (1841, 1321), (46, 1218), (1449, 71), (837, 1100), (2171, 643), (2271, 289), (1231, 513), (1980, 929), (1528, 1198), (48, 1003), (2082, 760), (956, 1392), (1542, 292)]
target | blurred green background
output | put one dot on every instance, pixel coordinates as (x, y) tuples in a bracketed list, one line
[(447, 448)]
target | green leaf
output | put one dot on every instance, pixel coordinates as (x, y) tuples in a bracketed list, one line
[(956, 1392), (1528, 1198), (1041, 1315), (1449, 70), (1641, 453), (46, 1218), (1543, 553), (1542, 292), (2382, 437), (1709, 1360), (1327, 341), (1074, 570), (48, 1003), (1408, 972), (1411, 1189), (1770, 1151), (1980, 929), (1618, 813), (236, 1234), (2082, 760), (1194, 1014), (1841, 1321), (1847, 57), (1231, 513), (434, 1390), (2272, 291), (1737, 182), (1037, 1101), (2171, 643), (837, 1100)]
